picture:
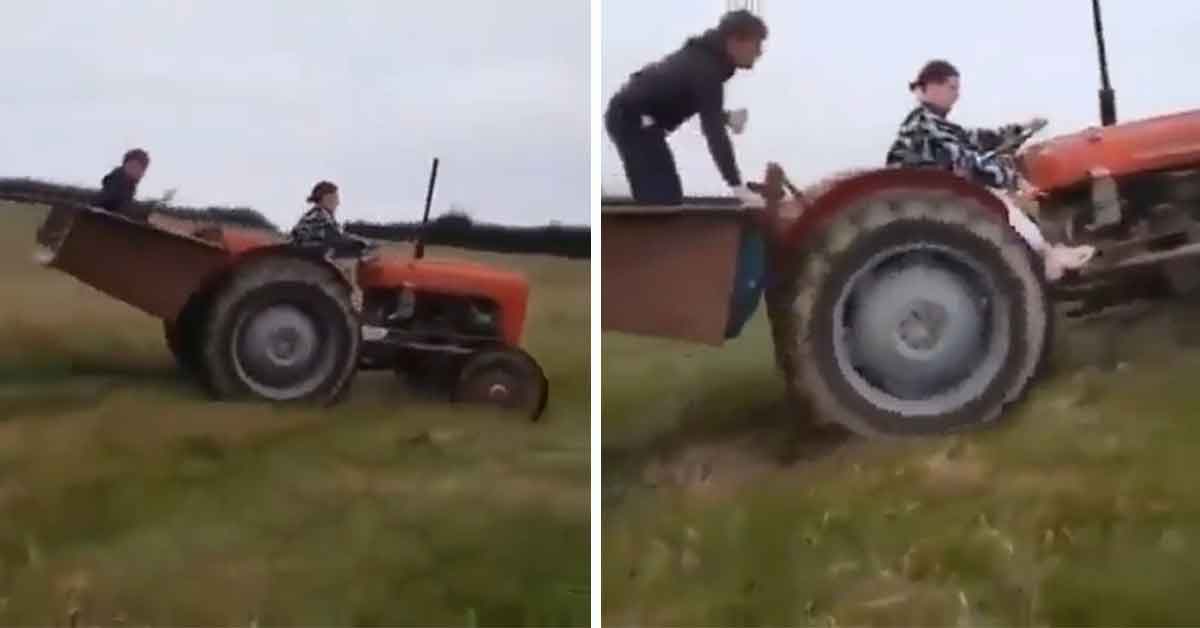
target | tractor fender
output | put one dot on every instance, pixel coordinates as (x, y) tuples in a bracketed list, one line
[(213, 284), (846, 192)]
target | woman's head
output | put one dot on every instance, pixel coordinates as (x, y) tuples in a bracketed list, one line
[(325, 194), (937, 84)]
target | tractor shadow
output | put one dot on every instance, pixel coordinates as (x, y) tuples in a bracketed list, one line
[(1117, 336), (715, 455), (712, 447), (77, 382)]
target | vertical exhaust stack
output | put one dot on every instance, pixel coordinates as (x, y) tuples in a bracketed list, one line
[(1108, 98), (419, 251)]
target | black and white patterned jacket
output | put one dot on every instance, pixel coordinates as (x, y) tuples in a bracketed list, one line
[(926, 138), (318, 228)]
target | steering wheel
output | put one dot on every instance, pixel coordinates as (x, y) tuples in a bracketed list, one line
[(368, 250), (1015, 142)]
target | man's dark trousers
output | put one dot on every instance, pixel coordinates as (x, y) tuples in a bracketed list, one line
[(649, 164)]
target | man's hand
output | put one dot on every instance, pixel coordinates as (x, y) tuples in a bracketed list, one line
[(748, 197), (736, 120)]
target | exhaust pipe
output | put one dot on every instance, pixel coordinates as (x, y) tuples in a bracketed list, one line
[(1108, 98)]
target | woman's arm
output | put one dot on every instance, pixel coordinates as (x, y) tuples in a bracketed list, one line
[(952, 147), (986, 139)]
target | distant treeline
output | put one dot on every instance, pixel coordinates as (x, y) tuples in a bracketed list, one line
[(458, 230), (451, 229)]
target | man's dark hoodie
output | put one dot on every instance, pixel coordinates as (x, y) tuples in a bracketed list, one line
[(117, 190), (690, 80)]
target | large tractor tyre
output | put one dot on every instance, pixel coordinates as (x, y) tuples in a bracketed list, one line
[(916, 313), (176, 344), (282, 329), (183, 337), (182, 342)]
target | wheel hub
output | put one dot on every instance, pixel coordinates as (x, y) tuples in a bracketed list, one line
[(498, 393), (917, 330), (924, 326), (278, 345), (284, 346)]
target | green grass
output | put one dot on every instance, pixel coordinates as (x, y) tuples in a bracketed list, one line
[(725, 506), (127, 497)]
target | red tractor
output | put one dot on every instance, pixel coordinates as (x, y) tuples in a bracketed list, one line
[(901, 302), (252, 316)]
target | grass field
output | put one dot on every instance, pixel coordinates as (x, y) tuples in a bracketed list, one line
[(127, 497), (724, 507)]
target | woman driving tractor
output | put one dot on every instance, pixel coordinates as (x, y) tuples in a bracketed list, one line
[(927, 138)]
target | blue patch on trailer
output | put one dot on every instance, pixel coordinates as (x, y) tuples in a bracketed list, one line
[(749, 277)]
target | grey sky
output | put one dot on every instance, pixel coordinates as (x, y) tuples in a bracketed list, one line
[(831, 87), (253, 102)]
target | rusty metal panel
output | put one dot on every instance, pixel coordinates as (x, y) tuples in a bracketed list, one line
[(668, 271), (149, 268)]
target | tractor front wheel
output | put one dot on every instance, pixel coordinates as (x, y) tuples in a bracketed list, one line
[(917, 313), (508, 378)]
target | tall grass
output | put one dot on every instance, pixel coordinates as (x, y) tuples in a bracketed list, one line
[(726, 506), (128, 497)]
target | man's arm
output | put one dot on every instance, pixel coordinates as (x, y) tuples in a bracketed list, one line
[(712, 122)]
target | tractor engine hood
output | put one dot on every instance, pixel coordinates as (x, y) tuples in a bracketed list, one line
[(1158, 143), (509, 290)]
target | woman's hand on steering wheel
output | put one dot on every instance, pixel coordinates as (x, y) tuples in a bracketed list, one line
[(1014, 143), (1035, 124)]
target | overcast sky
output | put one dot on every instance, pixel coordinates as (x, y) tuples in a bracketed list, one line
[(253, 102), (831, 88)]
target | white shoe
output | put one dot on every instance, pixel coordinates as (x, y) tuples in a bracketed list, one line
[(43, 256), (371, 333), (1060, 259), (748, 197)]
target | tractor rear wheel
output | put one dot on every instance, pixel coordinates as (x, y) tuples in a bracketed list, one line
[(180, 341), (183, 339), (508, 378), (916, 313), (174, 339), (282, 329)]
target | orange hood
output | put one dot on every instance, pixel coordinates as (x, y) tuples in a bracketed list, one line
[(455, 277), (1157, 143)]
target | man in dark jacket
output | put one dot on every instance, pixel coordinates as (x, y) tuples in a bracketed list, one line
[(118, 187), (660, 97)]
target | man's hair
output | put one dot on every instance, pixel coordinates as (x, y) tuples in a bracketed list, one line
[(936, 71), (138, 155), (321, 189), (742, 24)]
